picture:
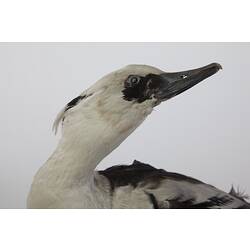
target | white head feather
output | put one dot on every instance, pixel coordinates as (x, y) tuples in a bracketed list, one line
[(112, 85)]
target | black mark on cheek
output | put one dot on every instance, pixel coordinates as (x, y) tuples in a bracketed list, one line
[(144, 90), (136, 92), (153, 84)]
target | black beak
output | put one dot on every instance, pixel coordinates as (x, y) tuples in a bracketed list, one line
[(178, 82)]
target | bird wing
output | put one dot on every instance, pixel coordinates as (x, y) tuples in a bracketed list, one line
[(142, 186)]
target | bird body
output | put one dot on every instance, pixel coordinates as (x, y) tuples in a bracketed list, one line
[(98, 121)]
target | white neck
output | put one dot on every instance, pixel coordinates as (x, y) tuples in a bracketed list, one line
[(86, 140), (73, 161), (90, 132)]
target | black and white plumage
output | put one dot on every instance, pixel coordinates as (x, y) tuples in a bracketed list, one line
[(98, 121), (161, 189)]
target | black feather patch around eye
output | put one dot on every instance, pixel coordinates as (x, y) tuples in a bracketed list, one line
[(135, 93), (140, 91)]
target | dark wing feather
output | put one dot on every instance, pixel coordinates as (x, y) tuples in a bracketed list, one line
[(139, 172), (162, 189)]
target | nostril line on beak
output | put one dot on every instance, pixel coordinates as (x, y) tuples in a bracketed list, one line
[(183, 76)]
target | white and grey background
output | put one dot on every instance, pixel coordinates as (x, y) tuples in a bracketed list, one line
[(204, 132)]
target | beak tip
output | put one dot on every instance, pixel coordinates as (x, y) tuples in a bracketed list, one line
[(218, 66)]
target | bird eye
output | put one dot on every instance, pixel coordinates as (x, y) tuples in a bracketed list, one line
[(134, 79), (183, 76)]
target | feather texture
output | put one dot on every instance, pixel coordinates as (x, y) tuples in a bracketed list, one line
[(148, 187)]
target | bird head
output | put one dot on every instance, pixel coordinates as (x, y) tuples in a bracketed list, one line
[(121, 100)]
